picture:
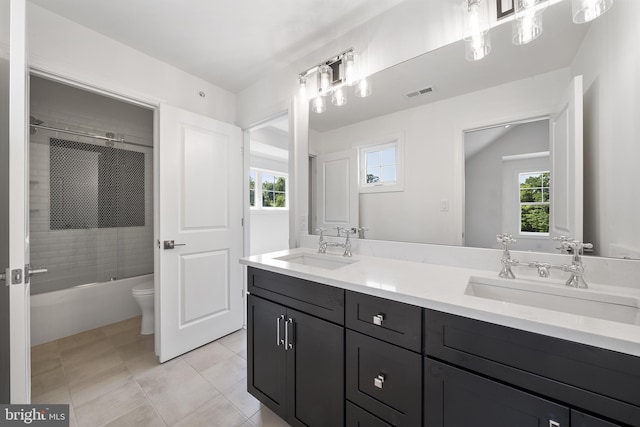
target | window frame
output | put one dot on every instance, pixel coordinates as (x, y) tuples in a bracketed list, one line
[(397, 142), (521, 204), (258, 189)]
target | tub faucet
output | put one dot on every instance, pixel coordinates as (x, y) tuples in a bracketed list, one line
[(506, 261), (576, 268)]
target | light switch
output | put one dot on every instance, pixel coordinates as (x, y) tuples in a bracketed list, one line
[(444, 205)]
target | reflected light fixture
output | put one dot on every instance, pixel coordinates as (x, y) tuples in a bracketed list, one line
[(339, 96), (333, 76), (476, 29), (318, 105), (587, 10), (363, 88), (527, 25)]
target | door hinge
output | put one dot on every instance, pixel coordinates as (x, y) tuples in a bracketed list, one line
[(241, 222)]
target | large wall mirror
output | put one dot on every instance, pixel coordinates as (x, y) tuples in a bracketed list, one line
[(464, 136)]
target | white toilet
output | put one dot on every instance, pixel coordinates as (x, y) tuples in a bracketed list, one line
[(143, 294)]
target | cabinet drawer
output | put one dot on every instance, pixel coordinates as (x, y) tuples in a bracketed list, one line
[(358, 417), (326, 302), (399, 323), (384, 379), (578, 419), (457, 398), (602, 381)]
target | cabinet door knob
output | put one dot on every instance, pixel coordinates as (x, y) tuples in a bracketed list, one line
[(288, 345), (378, 319), (554, 423), (379, 381)]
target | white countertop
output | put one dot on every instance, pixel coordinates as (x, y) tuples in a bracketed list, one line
[(443, 288)]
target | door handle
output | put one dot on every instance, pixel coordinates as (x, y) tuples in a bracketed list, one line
[(169, 244), (278, 340), (287, 344), (38, 271)]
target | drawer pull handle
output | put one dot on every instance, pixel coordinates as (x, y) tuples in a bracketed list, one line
[(378, 319), (379, 381), (278, 339), (554, 423)]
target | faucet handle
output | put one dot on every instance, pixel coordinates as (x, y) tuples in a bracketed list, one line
[(505, 239), (321, 231), (576, 246)]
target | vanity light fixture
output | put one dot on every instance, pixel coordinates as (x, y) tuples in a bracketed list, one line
[(318, 105), (334, 76), (363, 88), (527, 25), (476, 29), (588, 10), (339, 96)]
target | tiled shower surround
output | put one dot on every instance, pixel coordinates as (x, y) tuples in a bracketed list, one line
[(89, 255)]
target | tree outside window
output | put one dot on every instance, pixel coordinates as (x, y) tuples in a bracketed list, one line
[(272, 188), (534, 202)]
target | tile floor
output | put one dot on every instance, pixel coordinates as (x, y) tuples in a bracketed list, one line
[(110, 376)]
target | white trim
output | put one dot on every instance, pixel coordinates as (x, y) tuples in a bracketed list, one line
[(397, 141), (526, 156)]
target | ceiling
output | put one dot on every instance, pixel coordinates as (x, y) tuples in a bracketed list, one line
[(229, 43)]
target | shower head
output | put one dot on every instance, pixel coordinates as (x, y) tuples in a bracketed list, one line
[(34, 121)]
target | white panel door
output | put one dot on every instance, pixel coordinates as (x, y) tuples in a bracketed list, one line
[(200, 295), (565, 139), (337, 197)]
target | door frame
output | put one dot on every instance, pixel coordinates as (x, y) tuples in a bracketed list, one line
[(152, 105), (459, 131)]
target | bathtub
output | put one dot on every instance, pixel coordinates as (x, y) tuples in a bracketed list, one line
[(69, 311)]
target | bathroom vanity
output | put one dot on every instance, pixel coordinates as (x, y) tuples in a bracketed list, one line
[(378, 342)]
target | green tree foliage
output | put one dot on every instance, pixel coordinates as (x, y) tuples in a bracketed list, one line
[(273, 193), (534, 217), (372, 178)]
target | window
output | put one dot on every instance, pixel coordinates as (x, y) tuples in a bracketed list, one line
[(270, 189), (534, 202), (381, 167)]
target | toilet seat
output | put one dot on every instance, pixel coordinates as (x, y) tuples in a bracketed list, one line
[(143, 289)]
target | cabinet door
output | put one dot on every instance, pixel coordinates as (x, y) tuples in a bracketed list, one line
[(456, 398), (315, 371), (266, 358), (578, 419)]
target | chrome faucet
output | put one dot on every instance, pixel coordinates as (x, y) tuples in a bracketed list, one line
[(507, 261), (322, 244), (576, 268)]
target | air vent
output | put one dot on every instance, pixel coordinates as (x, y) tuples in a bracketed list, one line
[(419, 92)]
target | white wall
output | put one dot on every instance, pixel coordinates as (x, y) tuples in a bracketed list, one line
[(433, 155), (483, 182), (60, 46), (609, 60)]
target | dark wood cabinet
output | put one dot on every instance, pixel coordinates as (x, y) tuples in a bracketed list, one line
[(579, 419), (358, 417), (295, 361), (457, 398)]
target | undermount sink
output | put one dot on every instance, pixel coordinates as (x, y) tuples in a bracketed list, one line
[(557, 297), (328, 262)]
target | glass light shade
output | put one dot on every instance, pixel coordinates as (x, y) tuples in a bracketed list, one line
[(527, 28), (476, 18), (325, 79), (318, 105), (478, 47), (349, 63), (302, 86), (363, 88), (339, 96), (588, 10)]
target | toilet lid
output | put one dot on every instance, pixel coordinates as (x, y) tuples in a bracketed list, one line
[(145, 288)]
